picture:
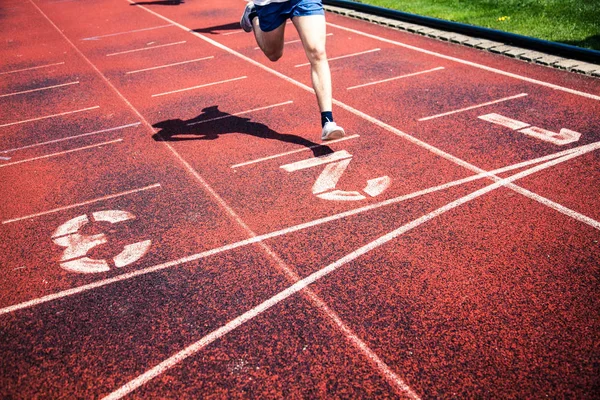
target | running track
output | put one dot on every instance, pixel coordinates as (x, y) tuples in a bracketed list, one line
[(172, 226)]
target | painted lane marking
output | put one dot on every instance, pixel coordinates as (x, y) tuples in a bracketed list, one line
[(168, 65), (127, 32), (83, 203), (70, 137), (314, 277), (282, 232), (313, 162), (469, 63), (294, 41), (3, 158), (330, 176), (242, 112), (60, 153), (145, 48), (534, 196), (199, 86), (51, 116), (39, 89), (341, 57), (78, 245), (259, 160), (395, 78), (565, 136), (31, 68), (474, 107)]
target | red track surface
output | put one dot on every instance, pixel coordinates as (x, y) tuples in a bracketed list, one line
[(451, 282)]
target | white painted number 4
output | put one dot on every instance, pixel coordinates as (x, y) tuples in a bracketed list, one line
[(77, 245)]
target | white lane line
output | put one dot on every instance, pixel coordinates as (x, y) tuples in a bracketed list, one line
[(70, 138), (127, 32), (51, 116), (388, 127), (293, 41), (83, 203), (397, 77), (31, 68), (288, 230), (39, 89), (313, 162), (287, 153), (346, 56), (314, 277), (199, 86), (145, 48), (60, 153), (469, 63), (474, 107), (231, 33), (169, 65), (242, 112)]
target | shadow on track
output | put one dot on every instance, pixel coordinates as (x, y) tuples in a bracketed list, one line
[(214, 30), (212, 123)]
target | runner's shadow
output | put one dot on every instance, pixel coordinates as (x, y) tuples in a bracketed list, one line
[(235, 26), (212, 123)]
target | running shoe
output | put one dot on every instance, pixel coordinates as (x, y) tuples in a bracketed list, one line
[(245, 21), (332, 131)]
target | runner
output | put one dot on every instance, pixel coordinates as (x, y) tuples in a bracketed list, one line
[(267, 19)]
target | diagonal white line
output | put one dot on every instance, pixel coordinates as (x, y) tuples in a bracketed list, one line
[(40, 89), (199, 86), (31, 68), (83, 203), (50, 116), (341, 57), (395, 78), (60, 153), (70, 138), (314, 277), (474, 107), (145, 48), (242, 112), (127, 32), (168, 65)]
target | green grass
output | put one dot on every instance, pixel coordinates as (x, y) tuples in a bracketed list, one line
[(574, 22)]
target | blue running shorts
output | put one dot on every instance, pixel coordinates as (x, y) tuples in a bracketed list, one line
[(273, 15)]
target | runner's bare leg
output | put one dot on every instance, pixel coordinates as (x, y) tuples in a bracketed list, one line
[(312, 31), (271, 43)]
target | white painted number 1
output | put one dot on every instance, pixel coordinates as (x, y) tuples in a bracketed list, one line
[(77, 245)]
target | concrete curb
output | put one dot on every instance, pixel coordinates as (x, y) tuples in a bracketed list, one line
[(536, 57)]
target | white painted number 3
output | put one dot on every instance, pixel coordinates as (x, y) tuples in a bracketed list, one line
[(77, 245)]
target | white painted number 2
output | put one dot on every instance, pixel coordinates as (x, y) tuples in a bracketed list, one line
[(335, 165), (77, 245)]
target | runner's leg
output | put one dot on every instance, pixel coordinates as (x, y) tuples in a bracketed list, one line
[(271, 43)]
